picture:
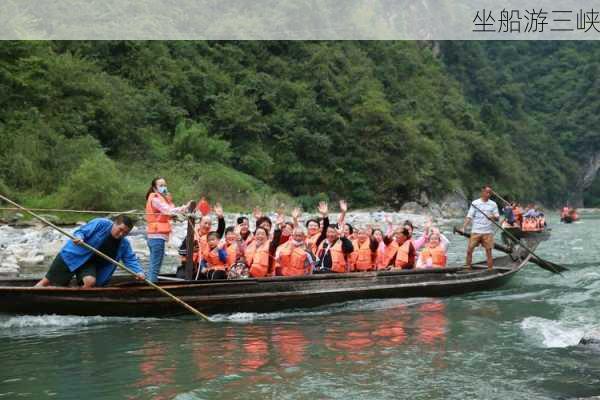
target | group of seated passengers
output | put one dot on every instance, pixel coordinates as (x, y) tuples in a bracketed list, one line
[(530, 219), (289, 249)]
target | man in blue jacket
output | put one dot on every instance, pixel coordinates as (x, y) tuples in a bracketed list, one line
[(91, 270)]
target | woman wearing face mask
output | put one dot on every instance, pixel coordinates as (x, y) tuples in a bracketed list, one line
[(159, 210)]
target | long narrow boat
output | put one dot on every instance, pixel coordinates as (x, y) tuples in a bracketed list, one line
[(126, 298)]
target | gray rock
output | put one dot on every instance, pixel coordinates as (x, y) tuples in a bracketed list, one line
[(454, 205), (412, 208), (50, 217), (423, 199), (590, 341)]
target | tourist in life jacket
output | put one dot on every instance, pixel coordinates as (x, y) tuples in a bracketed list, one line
[(422, 240), (262, 220), (315, 234), (482, 231), (90, 269), (380, 258), (565, 211), (257, 255), (233, 245), (364, 256), (531, 212), (444, 242), (214, 258), (333, 252), (293, 258), (518, 212), (434, 253), (204, 227), (159, 211), (245, 233), (400, 252)]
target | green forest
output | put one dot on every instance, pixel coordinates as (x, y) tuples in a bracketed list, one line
[(88, 124)]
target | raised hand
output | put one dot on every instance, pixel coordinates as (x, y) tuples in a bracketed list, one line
[(218, 210), (280, 218), (323, 208), (296, 213), (257, 213), (343, 206), (388, 219)]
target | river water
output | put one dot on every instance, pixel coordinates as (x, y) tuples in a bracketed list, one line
[(518, 342)]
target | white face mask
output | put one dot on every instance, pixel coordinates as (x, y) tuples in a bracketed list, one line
[(297, 242)]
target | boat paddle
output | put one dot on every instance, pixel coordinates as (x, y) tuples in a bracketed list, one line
[(115, 262), (554, 268), (500, 197)]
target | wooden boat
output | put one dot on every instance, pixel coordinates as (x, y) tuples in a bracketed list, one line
[(569, 216), (124, 297)]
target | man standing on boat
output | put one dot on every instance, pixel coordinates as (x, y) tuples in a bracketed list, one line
[(482, 231), (91, 270)]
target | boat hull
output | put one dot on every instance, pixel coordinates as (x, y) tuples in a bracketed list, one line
[(252, 295)]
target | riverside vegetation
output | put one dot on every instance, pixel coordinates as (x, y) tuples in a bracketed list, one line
[(88, 124)]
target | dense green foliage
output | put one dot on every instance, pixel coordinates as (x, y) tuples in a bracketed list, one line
[(89, 124), (544, 95)]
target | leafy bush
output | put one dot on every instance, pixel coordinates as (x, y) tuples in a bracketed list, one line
[(192, 138), (95, 185)]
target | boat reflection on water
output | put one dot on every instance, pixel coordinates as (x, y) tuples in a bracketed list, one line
[(262, 351), (157, 371), (290, 344)]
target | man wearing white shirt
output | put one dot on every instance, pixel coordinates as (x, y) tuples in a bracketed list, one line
[(482, 231)]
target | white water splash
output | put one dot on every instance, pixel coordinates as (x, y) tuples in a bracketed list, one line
[(49, 321), (57, 325), (554, 333), (359, 305)]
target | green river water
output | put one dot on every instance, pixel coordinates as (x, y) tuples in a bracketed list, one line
[(518, 342)]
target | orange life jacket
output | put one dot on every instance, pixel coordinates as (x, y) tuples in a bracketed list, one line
[(401, 253), (312, 242), (232, 253), (257, 259), (437, 254), (249, 239), (529, 224), (380, 260), (362, 258), (212, 260), (291, 259), (156, 222), (518, 213), (338, 258), (202, 240)]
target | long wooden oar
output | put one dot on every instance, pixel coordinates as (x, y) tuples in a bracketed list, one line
[(107, 258), (500, 197), (542, 263)]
